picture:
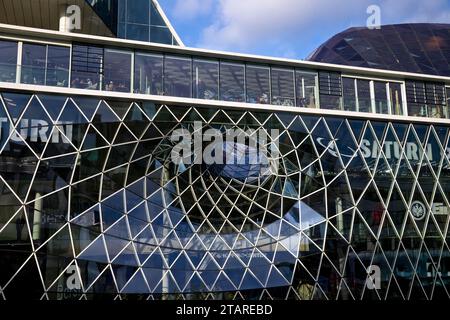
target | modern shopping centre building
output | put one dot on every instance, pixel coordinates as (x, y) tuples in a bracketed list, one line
[(92, 205)]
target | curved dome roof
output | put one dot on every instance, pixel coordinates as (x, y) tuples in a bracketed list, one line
[(419, 48)]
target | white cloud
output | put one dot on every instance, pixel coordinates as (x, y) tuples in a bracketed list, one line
[(191, 9), (246, 24)]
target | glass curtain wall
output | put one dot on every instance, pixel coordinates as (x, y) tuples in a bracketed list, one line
[(426, 99), (140, 20), (117, 74), (206, 79), (381, 97), (110, 69), (283, 92), (148, 73), (232, 82), (349, 94), (306, 89), (87, 66), (364, 97), (178, 76), (45, 65), (258, 84), (8, 61), (372, 96)]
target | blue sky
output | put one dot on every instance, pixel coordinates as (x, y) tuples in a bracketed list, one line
[(286, 28)]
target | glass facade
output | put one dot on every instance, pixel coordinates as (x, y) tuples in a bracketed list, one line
[(419, 48), (134, 19), (117, 71), (45, 65), (93, 207), (426, 99), (148, 74), (232, 82), (87, 67), (258, 84), (8, 58), (178, 76), (206, 79), (140, 20), (156, 73)]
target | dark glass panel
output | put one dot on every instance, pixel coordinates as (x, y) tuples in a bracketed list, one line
[(155, 17), (206, 79), (148, 73), (178, 77), (33, 63), (364, 100), (232, 82), (258, 84), (58, 61), (117, 71), (137, 32), (87, 66), (349, 94), (330, 102), (8, 61), (138, 11), (381, 102), (283, 92), (160, 35)]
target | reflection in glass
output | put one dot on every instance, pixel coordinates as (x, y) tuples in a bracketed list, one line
[(8, 61), (395, 96), (117, 71), (45, 65), (58, 60), (148, 71), (381, 103), (364, 100), (306, 89), (177, 77), (140, 20), (232, 82), (206, 79), (155, 17), (33, 63), (137, 32), (283, 92), (349, 94), (160, 35), (258, 84), (436, 100), (138, 11), (87, 66)]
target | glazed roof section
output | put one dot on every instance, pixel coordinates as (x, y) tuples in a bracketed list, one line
[(110, 18), (418, 48)]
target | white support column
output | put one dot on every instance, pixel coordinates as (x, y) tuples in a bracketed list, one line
[(388, 97), (19, 61), (405, 105), (372, 96)]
